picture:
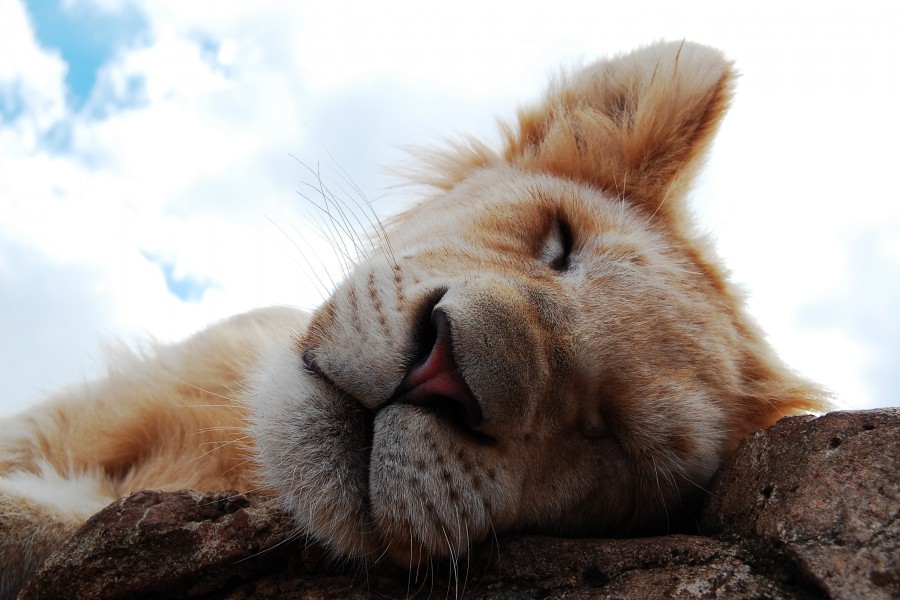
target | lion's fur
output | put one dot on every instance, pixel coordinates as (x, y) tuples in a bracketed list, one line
[(610, 362)]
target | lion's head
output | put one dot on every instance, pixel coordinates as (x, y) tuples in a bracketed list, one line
[(545, 344)]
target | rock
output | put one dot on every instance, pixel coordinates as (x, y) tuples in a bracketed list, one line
[(155, 543), (805, 509), (823, 494), (192, 545)]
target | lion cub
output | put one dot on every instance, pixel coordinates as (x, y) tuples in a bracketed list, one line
[(543, 344)]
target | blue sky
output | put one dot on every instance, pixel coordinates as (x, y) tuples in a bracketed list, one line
[(148, 179), (187, 288), (86, 36)]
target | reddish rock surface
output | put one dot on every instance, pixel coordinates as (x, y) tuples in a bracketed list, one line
[(805, 509), (823, 494)]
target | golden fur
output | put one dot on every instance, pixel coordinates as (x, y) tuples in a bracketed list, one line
[(544, 344)]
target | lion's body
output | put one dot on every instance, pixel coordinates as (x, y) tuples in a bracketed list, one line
[(180, 428), (544, 344)]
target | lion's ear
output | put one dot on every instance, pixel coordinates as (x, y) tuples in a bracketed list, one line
[(635, 126)]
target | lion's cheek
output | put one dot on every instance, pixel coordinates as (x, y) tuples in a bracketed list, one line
[(312, 450)]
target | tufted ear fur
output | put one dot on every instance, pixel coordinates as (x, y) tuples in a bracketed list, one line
[(635, 126)]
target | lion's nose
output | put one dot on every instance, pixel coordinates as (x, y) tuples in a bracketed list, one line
[(435, 381)]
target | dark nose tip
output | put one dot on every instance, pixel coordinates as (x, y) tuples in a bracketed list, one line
[(435, 381)]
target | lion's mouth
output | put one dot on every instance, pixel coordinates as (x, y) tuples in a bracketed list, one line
[(383, 450), (435, 381), (406, 467)]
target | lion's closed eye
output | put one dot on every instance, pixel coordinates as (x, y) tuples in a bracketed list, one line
[(557, 249)]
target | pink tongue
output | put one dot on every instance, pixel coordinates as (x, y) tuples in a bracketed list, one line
[(438, 377)]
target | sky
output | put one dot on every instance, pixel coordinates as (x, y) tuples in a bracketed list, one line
[(155, 155)]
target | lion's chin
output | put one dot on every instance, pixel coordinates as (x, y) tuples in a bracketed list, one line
[(408, 554)]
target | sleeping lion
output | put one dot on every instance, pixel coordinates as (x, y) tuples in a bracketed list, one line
[(544, 343)]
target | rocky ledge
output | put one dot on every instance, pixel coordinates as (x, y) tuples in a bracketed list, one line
[(806, 509)]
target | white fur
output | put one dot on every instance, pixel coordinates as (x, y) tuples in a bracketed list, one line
[(74, 496)]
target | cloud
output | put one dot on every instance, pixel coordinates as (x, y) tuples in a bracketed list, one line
[(31, 85), (47, 309), (864, 309)]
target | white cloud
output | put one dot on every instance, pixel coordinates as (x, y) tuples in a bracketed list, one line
[(50, 309), (183, 153), (32, 76)]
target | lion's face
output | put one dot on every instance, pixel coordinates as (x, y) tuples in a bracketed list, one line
[(526, 350)]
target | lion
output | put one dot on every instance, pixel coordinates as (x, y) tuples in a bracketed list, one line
[(543, 343)]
